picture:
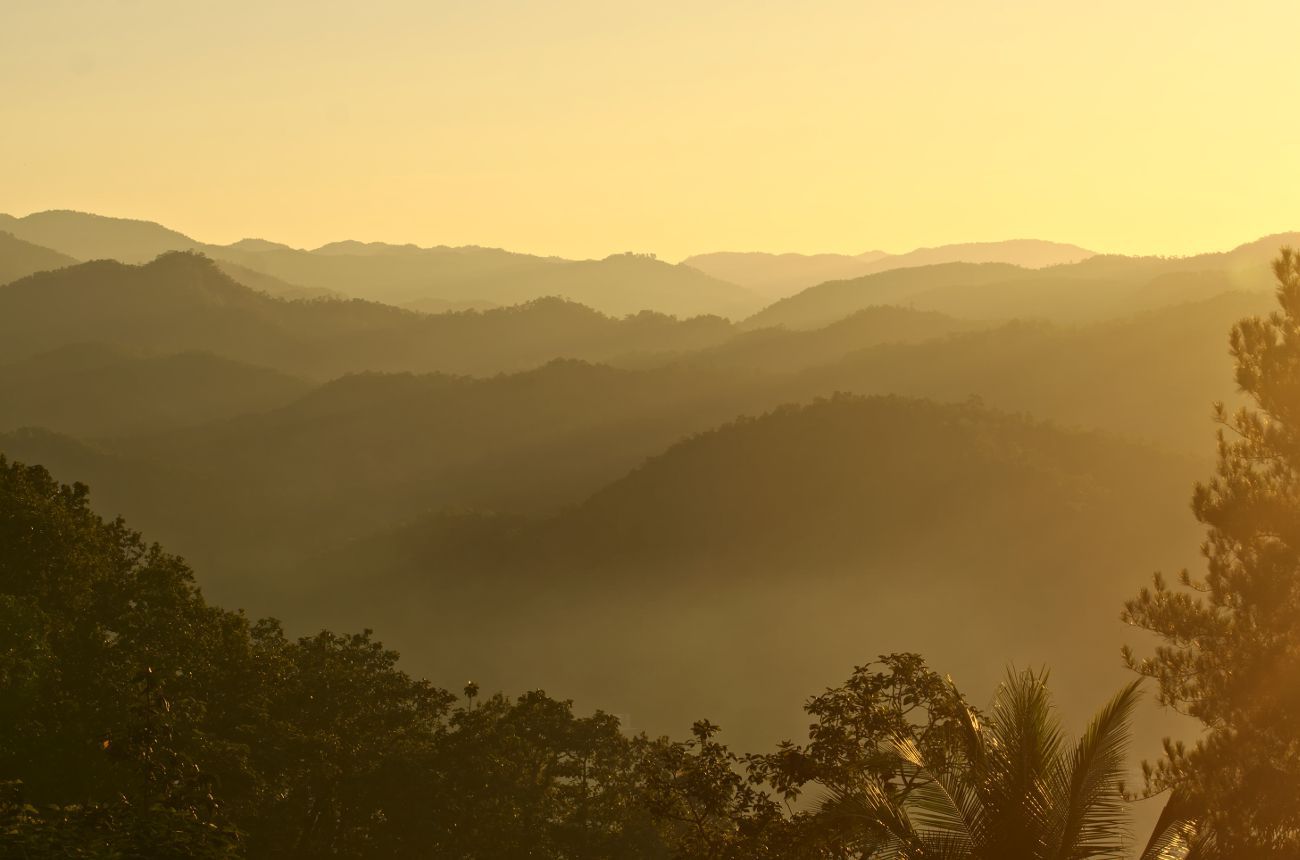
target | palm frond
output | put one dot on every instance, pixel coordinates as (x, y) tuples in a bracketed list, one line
[(941, 803), (1085, 786), (1023, 750), (1174, 842), (874, 824)]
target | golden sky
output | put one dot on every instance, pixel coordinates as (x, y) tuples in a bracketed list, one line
[(585, 128)]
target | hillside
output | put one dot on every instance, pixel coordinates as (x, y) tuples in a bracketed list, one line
[(406, 275), (782, 350), (825, 303), (779, 544), (1093, 289), (272, 285), (369, 451), (1152, 376), (775, 276), (778, 275), (96, 237), (402, 274), (183, 302), (91, 390), (18, 259), (741, 564)]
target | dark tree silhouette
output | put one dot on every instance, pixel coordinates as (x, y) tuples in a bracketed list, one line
[(1231, 656)]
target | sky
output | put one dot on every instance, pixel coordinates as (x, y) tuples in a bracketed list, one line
[(588, 128)]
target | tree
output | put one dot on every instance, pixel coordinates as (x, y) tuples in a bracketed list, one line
[(1019, 792), (1231, 657), (108, 658)]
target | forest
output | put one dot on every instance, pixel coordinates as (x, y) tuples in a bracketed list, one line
[(750, 556)]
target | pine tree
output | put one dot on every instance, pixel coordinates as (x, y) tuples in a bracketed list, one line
[(1231, 655)]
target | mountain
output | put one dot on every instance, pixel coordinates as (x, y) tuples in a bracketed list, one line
[(774, 276), (781, 350), (183, 302), (1151, 376), (369, 451), (402, 274), (742, 564), (778, 275), (18, 259), (826, 303), (95, 237), (1092, 289), (272, 285), (627, 283), (90, 390), (442, 306)]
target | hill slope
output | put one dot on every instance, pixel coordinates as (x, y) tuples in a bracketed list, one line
[(824, 304), (18, 258), (401, 274), (96, 237), (1092, 289), (183, 302), (744, 563), (1152, 376), (93, 390), (778, 275)]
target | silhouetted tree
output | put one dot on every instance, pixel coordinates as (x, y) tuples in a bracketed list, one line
[(1231, 656), (1017, 791)]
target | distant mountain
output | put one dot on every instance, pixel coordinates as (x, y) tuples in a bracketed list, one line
[(353, 248), (183, 302), (826, 303), (256, 245), (781, 350), (778, 544), (272, 285), (95, 237), (18, 258), (402, 274), (442, 306), (407, 275), (777, 275), (90, 390), (1151, 376), (369, 451), (1097, 288)]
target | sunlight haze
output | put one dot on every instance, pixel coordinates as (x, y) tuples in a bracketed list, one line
[(582, 128)]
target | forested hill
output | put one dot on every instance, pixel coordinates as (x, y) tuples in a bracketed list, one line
[(777, 542), (183, 302), (1092, 289), (402, 274), (279, 470), (823, 304), (18, 259), (780, 275), (91, 390)]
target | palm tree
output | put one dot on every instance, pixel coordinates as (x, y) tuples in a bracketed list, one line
[(1021, 793)]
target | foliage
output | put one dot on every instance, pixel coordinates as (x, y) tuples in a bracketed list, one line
[(1018, 790), (1231, 656)]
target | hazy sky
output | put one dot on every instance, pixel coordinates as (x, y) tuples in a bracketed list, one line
[(585, 128)]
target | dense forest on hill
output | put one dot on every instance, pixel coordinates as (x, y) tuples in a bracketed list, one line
[(401, 274), (834, 511), (18, 259), (661, 516), (146, 721), (183, 302)]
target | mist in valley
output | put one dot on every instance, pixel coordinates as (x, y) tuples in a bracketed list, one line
[(755, 541)]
